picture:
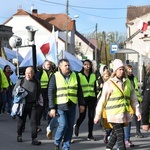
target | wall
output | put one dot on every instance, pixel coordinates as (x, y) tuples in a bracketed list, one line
[(85, 49), (138, 44)]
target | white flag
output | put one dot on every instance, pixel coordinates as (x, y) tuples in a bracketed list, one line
[(49, 48)]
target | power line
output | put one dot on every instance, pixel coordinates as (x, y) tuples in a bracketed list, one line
[(53, 2), (83, 6), (99, 16), (88, 8)]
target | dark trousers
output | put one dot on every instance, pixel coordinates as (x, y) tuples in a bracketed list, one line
[(30, 110), (137, 124), (117, 136), (45, 103), (39, 114), (90, 105)]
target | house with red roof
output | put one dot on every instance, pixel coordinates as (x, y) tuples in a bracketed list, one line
[(63, 24)]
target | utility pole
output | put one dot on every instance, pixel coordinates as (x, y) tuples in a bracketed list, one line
[(67, 12), (104, 45), (96, 42)]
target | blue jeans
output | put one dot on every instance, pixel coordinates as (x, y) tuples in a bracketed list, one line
[(64, 130), (127, 130), (53, 122), (6, 96)]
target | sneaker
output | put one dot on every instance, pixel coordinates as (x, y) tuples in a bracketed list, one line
[(49, 133), (139, 135), (36, 142), (76, 130), (91, 138), (19, 138), (56, 147), (39, 130), (129, 143), (72, 141)]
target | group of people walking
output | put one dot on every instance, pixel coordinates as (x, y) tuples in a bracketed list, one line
[(55, 94)]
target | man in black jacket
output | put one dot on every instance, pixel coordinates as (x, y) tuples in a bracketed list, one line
[(32, 86), (64, 92)]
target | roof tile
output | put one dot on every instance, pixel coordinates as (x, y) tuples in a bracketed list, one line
[(137, 11)]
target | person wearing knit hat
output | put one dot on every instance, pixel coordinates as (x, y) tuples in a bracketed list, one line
[(114, 104), (117, 63)]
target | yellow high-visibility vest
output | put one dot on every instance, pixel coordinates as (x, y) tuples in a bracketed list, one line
[(44, 79), (66, 90), (3, 80), (119, 102), (137, 89), (88, 87)]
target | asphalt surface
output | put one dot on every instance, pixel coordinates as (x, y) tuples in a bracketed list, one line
[(8, 137)]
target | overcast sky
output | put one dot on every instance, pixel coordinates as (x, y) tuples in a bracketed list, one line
[(110, 15)]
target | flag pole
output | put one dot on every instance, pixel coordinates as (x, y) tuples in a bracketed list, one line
[(53, 30), (17, 62)]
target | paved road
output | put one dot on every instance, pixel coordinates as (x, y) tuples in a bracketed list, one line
[(8, 137)]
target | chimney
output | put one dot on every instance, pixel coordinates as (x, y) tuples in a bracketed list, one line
[(34, 12), (19, 8)]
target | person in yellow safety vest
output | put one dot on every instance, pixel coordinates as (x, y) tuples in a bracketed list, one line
[(3, 86), (64, 92), (88, 83), (43, 75), (7, 93), (127, 129), (116, 98)]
